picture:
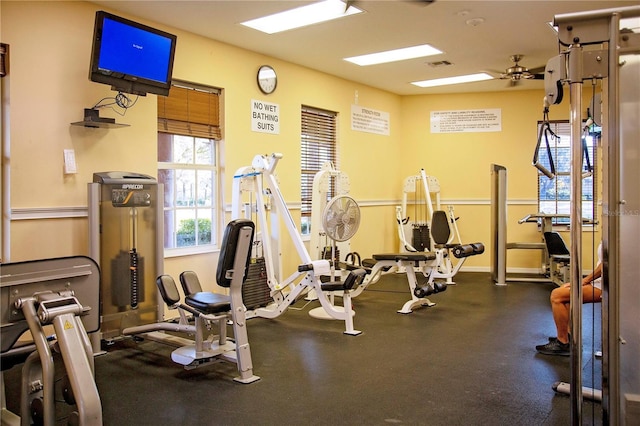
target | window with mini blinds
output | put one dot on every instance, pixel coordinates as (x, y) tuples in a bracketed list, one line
[(189, 165), (554, 194), (317, 146)]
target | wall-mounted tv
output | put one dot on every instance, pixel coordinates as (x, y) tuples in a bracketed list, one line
[(131, 57)]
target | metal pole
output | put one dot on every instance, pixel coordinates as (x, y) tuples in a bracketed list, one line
[(575, 81), (499, 224), (610, 240)]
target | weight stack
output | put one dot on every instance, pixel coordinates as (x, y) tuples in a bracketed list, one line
[(420, 240), (255, 291)]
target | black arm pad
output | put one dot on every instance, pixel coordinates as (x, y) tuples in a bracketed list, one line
[(466, 250)]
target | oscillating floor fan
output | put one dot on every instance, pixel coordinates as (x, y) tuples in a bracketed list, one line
[(340, 220)]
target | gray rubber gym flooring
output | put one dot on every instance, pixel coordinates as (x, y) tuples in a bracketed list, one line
[(469, 360)]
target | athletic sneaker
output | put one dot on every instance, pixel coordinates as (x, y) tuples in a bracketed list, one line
[(554, 347)]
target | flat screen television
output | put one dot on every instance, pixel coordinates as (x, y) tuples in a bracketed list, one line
[(131, 57)]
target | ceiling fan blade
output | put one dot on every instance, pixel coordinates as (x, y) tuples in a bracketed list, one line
[(493, 73), (421, 2), (348, 4), (537, 70)]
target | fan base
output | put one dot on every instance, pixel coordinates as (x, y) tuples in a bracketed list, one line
[(320, 313)]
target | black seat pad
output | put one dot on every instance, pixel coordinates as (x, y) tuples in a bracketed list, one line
[(209, 303), (413, 257)]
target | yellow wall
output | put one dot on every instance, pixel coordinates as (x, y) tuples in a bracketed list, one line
[(48, 88)]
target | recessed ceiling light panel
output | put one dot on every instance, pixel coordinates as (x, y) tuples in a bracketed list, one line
[(453, 80), (302, 16), (394, 55)]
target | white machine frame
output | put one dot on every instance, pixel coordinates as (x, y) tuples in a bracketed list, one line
[(319, 240), (430, 186), (428, 264), (260, 181), (320, 189)]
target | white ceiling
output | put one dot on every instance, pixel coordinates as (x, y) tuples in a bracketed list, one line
[(508, 28)]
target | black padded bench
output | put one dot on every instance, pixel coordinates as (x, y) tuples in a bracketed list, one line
[(406, 257), (354, 279)]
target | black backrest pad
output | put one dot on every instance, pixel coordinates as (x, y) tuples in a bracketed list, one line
[(168, 289), (354, 278), (190, 282), (555, 244), (440, 227), (228, 249)]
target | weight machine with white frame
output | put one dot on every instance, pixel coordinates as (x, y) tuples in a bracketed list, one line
[(425, 185), (259, 182)]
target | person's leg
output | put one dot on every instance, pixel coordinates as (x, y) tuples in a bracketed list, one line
[(559, 299), (591, 294)]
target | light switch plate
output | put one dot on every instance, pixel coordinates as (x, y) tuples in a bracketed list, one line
[(70, 162)]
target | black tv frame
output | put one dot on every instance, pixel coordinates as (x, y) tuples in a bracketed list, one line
[(126, 83)]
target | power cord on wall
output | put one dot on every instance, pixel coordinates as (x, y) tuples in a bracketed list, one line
[(119, 103)]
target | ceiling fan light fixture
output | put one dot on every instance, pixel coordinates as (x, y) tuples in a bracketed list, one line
[(302, 16), (470, 78)]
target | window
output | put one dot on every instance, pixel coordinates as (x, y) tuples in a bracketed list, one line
[(318, 145), (554, 194), (188, 165)]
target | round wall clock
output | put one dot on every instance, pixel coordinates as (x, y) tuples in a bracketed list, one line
[(267, 79)]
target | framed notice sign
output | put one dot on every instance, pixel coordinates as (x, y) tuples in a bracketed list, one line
[(369, 120), (265, 117), (466, 121)]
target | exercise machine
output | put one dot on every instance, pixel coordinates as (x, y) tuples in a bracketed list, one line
[(335, 218), (125, 239), (426, 263), (259, 184), (420, 186), (36, 296), (553, 268), (559, 257), (499, 230), (599, 46), (210, 308), (328, 180), (426, 191)]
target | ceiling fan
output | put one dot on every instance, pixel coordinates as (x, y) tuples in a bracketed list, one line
[(349, 3), (516, 72)]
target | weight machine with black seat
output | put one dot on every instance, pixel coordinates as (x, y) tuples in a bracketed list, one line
[(213, 308), (62, 293), (435, 233), (259, 183), (544, 221), (427, 263), (426, 190), (559, 257)]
